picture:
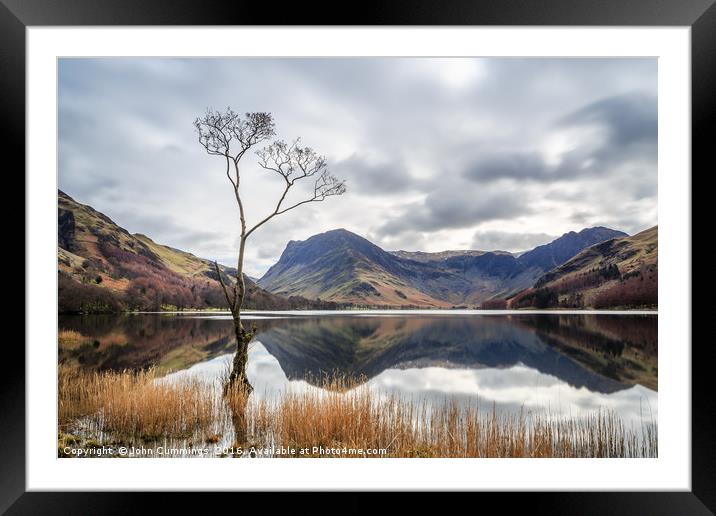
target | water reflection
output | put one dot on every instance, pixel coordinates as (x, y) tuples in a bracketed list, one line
[(589, 351), (565, 363), (507, 390), (137, 341)]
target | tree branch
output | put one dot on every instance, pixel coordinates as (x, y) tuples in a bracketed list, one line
[(325, 186), (218, 131), (223, 286)]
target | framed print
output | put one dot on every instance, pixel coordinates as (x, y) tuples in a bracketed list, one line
[(432, 239)]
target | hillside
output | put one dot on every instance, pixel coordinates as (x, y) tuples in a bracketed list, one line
[(102, 268), (621, 272), (341, 266), (549, 256)]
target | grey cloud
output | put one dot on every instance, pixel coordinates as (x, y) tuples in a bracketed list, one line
[(507, 165), (491, 240), (92, 189), (405, 241), (375, 177), (630, 122), (607, 175), (581, 217), (195, 238), (451, 208), (164, 230), (270, 249), (393, 127), (630, 118)]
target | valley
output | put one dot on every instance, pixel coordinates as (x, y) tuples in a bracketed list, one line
[(104, 268)]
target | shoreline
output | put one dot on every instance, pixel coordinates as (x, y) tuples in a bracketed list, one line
[(392, 311)]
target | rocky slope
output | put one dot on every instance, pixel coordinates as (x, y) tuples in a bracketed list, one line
[(341, 266), (620, 272), (102, 267)]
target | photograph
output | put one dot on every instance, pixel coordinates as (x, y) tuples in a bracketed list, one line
[(423, 235), (357, 257)]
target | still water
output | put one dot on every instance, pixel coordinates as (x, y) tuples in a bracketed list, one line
[(563, 364)]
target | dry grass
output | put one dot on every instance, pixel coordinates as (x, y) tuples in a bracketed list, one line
[(345, 414), (134, 405)]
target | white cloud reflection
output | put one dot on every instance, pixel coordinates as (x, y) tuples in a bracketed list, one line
[(510, 389)]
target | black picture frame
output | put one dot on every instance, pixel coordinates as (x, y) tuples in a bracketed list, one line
[(700, 15)]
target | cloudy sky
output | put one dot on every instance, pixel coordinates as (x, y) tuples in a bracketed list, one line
[(437, 153)]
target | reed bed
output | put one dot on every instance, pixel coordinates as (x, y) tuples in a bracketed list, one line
[(344, 415), (134, 405)]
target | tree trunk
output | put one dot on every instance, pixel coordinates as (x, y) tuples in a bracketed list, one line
[(238, 388), (238, 368)]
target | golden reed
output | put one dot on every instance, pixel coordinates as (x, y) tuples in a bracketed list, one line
[(342, 413)]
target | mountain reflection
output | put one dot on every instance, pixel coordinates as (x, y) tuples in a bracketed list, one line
[(597, 352), (601, 353), (139, 341)]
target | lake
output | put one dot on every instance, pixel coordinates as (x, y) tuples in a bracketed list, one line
[(560, 363)]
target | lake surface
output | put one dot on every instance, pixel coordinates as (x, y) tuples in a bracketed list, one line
[(564, 364)]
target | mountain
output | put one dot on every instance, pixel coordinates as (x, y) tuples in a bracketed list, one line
[(558, 251), (620, 272), (341, 266), (102, 268)]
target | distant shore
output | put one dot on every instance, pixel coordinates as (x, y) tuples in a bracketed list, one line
[(458, 311)]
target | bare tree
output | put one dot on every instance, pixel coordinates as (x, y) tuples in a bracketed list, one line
[(229, 136)]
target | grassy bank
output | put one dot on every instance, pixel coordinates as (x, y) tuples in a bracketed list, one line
[(98, 409)]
